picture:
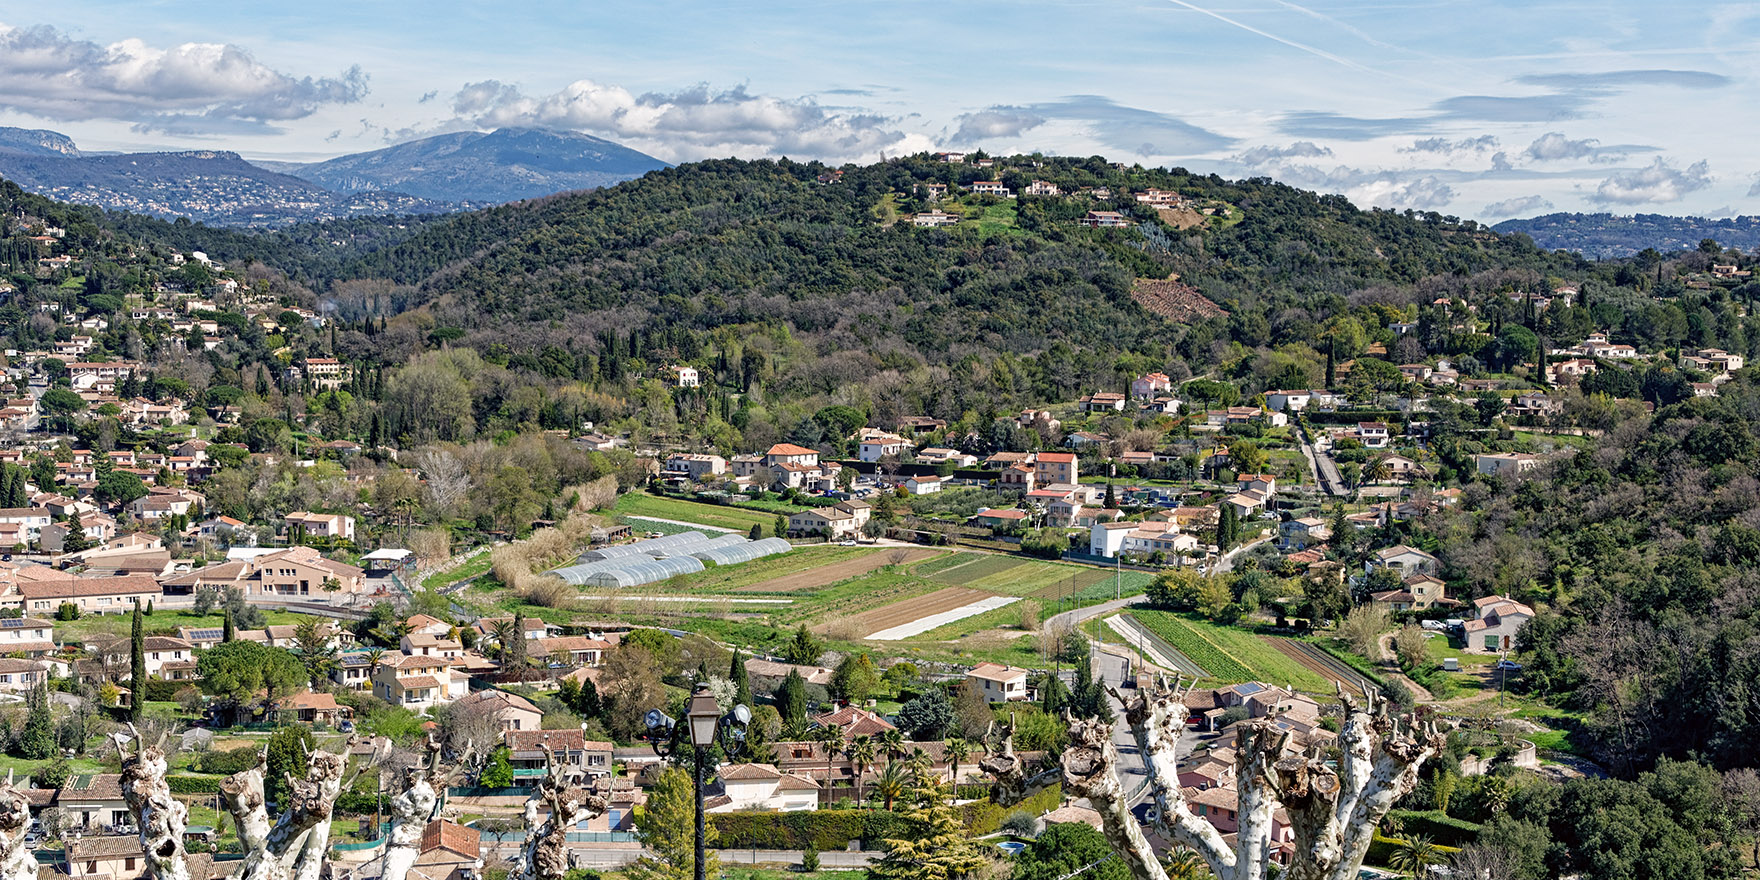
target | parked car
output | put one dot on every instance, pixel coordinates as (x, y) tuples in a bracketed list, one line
[(1509, 666), (1435, 626)]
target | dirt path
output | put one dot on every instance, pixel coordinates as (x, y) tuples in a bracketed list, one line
[(1390, 669), (840, 571)]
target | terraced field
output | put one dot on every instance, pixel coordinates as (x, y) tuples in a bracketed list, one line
[(1012, 575), (1232, 655)]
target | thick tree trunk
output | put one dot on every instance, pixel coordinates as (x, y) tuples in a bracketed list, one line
[(1332, 813), (410, 813), (16, 859), (566, 794), (160, 817), (297, 845)]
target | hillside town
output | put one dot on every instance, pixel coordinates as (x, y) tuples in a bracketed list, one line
[(227, 520)]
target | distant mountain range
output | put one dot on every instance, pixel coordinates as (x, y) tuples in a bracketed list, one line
[(1606, 236), (500, 166), (445, 173)]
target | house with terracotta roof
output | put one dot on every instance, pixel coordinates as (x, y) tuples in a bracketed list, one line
[(106, 858), (789, 453), (529, 750), (854, 721), (313, 708), (294, 572), (19, 676), (1494, 630), (1405, 560), (418, 683), (767, 674), (510, 711), (321, 525), (1057, 467), (31, 636), (535, 629), (97, 595), (428, 645), (449, 851), (1420, 592), (585, 650), (998, 683), (762, 787)]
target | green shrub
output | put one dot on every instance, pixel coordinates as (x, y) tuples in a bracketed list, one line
[(1383, 848), (1438, 826), (193, 784)]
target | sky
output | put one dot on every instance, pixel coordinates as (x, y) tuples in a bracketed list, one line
[(1483, 110)]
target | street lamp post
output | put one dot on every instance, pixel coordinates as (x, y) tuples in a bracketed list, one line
[(704, 727)]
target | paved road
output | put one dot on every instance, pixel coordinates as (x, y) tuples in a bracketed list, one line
[(1324, 469), (601, 856)]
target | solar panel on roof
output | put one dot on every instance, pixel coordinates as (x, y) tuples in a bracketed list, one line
[(11, 623), (1248, 689)]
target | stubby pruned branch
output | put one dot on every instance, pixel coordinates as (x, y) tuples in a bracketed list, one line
[(1332, 812), (16, 859), (569, 798), (160, 817)]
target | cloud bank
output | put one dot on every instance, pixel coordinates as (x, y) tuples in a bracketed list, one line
[(693, 123), (194, 88)]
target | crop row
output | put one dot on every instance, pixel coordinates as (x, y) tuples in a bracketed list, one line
[(1198, 649)]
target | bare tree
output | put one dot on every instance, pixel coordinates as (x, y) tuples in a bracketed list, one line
[(1477, 861), (160, 816), (1333, 808), (449, 483)]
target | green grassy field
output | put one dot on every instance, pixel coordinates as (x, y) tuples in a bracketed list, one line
[(160, 622), (1231, 655), (1013, 575), (730, 518), (472, 567)]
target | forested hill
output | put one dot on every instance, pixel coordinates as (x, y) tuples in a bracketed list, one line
[(1605, 236), (721, 242)]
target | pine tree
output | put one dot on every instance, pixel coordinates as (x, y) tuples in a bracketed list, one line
[(137, 665), (667, 829), (37, 743), (935, 845)]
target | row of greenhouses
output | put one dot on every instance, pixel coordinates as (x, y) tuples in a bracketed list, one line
[(651, 561)]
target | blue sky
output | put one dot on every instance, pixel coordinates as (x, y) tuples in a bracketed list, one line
[(1481, 109)]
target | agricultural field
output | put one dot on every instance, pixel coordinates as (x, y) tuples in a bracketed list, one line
[(1231, 655), (875, 620), (733, 519), (1014, 576), (832, 570)]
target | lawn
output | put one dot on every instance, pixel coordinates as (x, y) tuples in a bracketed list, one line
[(732, 519), (1231, 655), (160, 622), (1015, 576)]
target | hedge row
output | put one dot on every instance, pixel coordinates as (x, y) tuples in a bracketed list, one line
[(826, 830), (1382, 849), (194, 784), (1437, 825)]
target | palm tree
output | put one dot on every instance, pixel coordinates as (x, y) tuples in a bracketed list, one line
[(831, 737), (892, 743), (375, 656), (921, 766), (1495, 794), (1376, 470), (504, 635), (1416, 855), (1392, 827), (891, 784), (862, 752), (1183, 864), (956, 750)]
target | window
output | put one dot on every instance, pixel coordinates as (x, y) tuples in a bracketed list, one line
[(91, 867), (128, 864)]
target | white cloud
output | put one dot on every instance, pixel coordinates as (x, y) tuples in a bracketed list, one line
[(192, 88), (1656, 183), (996, 122), (1553, 146), (1444, 145), (1517, 206), (1424, 194), (1267, 155), (690, 124)]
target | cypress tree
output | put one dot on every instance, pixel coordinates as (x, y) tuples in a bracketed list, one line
[(742, 683), (226, 627), (137, 665)]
